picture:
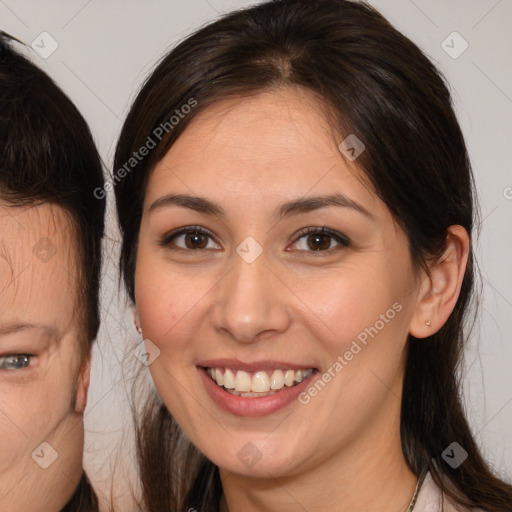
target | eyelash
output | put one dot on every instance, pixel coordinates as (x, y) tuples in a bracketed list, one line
[(7, 359), (167, 240), (338, 237)]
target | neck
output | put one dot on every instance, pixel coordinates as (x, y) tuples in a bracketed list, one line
[(370, 475)]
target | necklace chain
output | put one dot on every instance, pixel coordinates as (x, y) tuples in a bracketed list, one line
[(410, 508)]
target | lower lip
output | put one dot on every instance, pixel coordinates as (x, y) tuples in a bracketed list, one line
[(252, 406)]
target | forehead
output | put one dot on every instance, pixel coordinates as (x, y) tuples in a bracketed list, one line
[(38, 271), (279, 143)]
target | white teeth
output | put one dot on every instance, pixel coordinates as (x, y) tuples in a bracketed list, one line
[(260, 384), (229, 380), (218, 377), (250, 393), (289, 378), (243, 381), (277, 380)]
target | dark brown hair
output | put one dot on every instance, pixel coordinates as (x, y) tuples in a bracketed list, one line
[(47, 155), (377, 84), (84, 499)]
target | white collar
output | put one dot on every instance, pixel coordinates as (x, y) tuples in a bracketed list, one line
[(432, 499)]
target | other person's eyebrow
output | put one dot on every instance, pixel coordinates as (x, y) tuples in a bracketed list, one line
[(15, 327), (297, 206)]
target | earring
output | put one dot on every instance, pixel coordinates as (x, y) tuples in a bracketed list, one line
[(138, 328), (428, 323)]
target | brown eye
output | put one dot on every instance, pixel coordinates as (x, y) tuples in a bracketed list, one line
[(196, 241), (189, 238), (319, 242)]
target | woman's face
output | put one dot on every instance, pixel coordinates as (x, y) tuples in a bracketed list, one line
[(41, 435), (263, 259)]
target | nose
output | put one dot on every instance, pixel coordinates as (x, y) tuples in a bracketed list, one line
[(251, 302)]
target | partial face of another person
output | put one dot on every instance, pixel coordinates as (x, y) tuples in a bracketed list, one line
[(266, 264), (42, 390)]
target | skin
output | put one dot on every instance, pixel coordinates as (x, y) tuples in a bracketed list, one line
[(44, 401), (342, 450)]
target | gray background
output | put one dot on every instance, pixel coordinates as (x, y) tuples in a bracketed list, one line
[(106, 49)]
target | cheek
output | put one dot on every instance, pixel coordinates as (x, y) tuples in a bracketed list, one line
[(168, 302), (29, 412), (341, 304)]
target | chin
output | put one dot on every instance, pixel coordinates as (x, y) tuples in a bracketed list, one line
[(249, 457)]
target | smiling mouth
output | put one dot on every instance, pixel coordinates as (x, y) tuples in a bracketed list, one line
[(257, 384)]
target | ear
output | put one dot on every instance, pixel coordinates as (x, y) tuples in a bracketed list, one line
[(136, 321), (440, 289), (84, 379)]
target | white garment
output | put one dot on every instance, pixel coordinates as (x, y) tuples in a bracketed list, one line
[(432, 499)]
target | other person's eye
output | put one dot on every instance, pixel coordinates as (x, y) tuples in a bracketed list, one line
[(15, 361)]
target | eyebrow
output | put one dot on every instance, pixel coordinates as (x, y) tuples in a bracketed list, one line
[(309, 204), (298, 206), (198, 204), (14, 327)]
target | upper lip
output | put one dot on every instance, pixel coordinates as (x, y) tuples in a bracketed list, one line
[(235, 364)]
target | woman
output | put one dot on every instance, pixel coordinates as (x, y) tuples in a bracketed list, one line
[(51, 227), (295, 199)]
